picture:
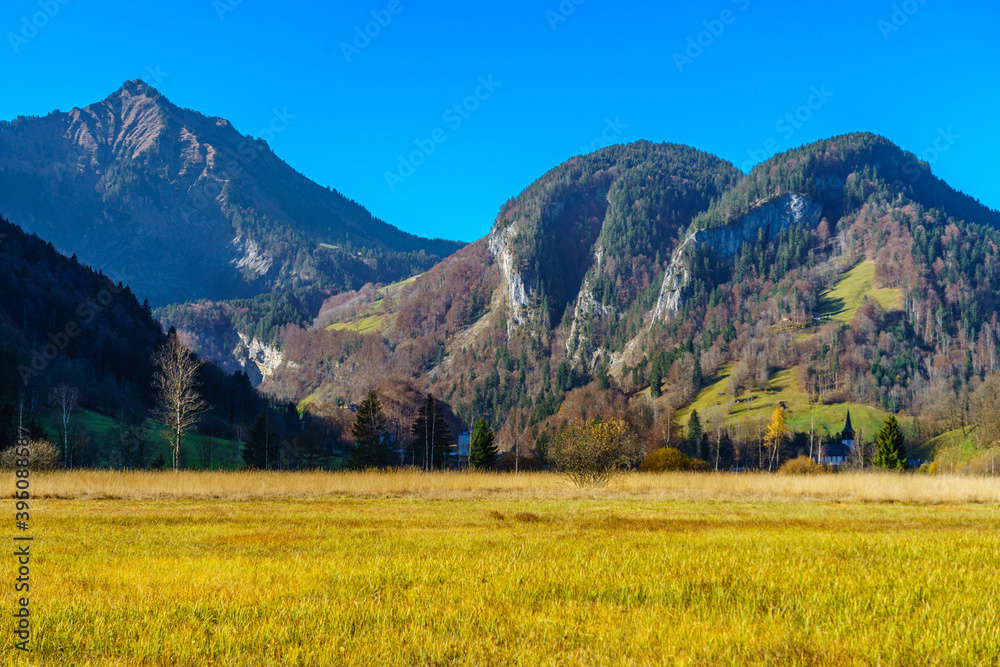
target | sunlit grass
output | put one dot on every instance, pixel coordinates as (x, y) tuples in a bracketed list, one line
[(407, 568), (844, 299), (853, 487), (801, 412)]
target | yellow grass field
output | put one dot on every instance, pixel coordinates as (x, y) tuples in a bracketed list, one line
[(408, 568)]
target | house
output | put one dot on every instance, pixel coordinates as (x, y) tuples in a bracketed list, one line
[(839, 453)]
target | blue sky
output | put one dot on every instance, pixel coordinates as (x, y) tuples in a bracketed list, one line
[(563, 77)]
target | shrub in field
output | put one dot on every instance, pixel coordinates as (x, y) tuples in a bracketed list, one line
[(802, 465), (505, 463), (592, 452), (43, 456), (671, 459)]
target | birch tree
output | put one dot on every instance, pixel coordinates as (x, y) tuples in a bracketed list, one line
[(65, 399), (179, 404)]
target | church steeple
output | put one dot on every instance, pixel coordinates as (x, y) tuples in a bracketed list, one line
[(848, 431)]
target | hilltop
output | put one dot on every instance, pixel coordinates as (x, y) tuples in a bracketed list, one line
[(630, 280)]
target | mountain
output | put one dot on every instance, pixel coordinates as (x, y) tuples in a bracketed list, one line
[(598, 228), (651, 280), (182, 207)]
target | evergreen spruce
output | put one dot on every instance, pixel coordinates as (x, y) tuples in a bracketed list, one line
[(694, 429), (483, 450), (432, 438), (261, 449), (890, 453), (656, 381), (371, 449), (725, 455)]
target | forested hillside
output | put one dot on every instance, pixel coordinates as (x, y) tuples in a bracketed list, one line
[(76, 345), (631, 280)]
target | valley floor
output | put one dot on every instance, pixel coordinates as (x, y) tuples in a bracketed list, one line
[(404, 568)]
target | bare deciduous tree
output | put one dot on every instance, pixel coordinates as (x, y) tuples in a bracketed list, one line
[(65, 399), (178, 402)]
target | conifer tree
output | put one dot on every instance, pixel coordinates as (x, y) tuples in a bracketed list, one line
[(655, 381), (693, 432), (890, 453), (370, 434), (431, 436), (725, 453), (261, 450), (483, 450)]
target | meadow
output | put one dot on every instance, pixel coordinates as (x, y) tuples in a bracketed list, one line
[(410, 568)]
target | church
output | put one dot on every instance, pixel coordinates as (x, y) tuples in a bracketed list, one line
[(838, 454)]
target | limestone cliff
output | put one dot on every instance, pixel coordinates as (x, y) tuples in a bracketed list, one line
[(258, 359), (791, 210), (499, 244)]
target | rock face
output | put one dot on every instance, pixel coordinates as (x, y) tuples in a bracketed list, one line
[(499, 244), (791, 210), (258, 359)]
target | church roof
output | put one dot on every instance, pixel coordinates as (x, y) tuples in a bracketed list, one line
[(848, 431), (836, 449)]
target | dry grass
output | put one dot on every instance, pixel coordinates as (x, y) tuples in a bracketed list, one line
[(843, 487), (415, 581), (406, 568)]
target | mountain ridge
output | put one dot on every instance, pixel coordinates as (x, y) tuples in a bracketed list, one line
[(493, 331), (158, 193)]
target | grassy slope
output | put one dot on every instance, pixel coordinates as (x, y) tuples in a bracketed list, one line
[(97, 426), (955, 450), (783, 388), (517, 580), (373, 319), (842, 302)]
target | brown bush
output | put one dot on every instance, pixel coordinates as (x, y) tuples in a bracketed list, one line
[(802, 465), (591, 453), (505, 463), (43, 455), (671, 459)]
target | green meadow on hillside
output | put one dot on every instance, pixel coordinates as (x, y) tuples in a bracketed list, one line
[(373, 318), (784, 389), (841, 303), (100, 428)]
